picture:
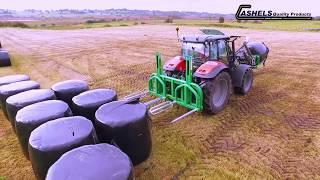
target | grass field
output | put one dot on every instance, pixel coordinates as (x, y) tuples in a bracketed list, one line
[(297, 25), (73, 23), (272, 133), (69, 24)]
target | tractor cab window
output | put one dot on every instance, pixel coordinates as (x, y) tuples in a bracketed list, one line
[(194, 50), (222, 48), (218, 50), (223, 55), (213, 51)]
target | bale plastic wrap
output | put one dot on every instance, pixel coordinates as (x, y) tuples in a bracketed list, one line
[(92, 162), (15, 88), (258, 48), (32, 116), (127, 125), (4, 58), (51, 140), (16, 102), (87, 103), (66, 90), (13, 78)]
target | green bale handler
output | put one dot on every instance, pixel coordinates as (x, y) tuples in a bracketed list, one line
[(206, 73)]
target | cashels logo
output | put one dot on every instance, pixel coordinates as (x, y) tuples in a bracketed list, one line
[(246, 13)]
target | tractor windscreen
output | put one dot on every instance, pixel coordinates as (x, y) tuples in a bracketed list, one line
[(194, 50)]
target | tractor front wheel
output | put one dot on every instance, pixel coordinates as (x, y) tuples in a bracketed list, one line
[(246, 83), (216, 93)]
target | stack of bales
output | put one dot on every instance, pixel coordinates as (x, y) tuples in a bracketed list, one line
[(59, 129)]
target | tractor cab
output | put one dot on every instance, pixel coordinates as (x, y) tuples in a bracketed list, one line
[(197, 51), (205, 48), (200, 49)]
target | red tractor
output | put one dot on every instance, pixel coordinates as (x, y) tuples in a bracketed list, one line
[(205, 74)]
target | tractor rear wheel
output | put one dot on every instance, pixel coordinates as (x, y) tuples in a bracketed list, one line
[(246, 83), (216, 93)]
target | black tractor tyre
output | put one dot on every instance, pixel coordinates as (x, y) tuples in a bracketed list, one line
[(216, 93), (246, 83)]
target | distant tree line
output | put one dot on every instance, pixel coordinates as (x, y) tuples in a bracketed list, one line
[(91, 21), (14, 24)]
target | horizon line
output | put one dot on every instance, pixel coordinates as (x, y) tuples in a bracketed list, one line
[(117, 9)]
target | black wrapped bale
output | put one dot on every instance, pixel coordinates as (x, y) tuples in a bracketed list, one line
[(127, 125), (87, 103), (66, 90), (16, 102), (4, 58), (258, 48), (51, 140), (92, 162), (15, 88), (32, 116), (13, 78)]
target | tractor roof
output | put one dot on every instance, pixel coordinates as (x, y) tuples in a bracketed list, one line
[(204, 38)]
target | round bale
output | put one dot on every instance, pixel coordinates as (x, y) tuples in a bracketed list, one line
[(15, 88), (48, 142), (66, 90), (4, 58), (13, 78), (98, 162), (32, 116), (127, 125), (16, 102), (87, 103)]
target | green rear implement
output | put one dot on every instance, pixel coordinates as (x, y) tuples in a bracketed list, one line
[(183, 92)]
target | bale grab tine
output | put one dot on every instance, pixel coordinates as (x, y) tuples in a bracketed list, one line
[(184, 115), (161, 107), (153, 101), (136, 95)]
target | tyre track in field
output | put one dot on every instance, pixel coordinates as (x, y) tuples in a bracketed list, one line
[(228, 140), (132, 78), (226, 137), (39, 58)]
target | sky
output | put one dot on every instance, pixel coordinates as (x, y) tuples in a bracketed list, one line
[(212, 6)]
